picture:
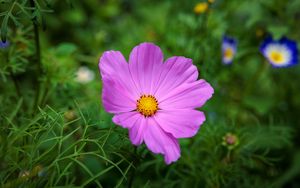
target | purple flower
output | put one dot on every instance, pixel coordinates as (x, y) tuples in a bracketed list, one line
[(4, 44), (229, 46), (155, 100), (280, 53)]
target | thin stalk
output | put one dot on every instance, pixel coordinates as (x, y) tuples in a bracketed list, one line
[(228, 158), (252, 82), (46, 93), (135, 164), (201, 33), (37, 55), (13, 77), (16, 84)]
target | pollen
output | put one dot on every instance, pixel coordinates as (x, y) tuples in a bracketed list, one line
[(147, 105), (228, 53), (276, 57)]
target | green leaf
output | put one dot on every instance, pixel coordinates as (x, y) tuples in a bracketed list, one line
[(66, 49), (4, 28), (278, 31)]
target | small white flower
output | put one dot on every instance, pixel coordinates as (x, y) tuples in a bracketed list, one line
[(84, 75)]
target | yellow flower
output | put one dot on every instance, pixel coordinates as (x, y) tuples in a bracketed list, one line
[(200, 8), (259, 32), (211, 1)]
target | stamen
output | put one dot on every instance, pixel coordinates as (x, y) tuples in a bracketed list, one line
[(147, 105), (228, 53), (276, 57)]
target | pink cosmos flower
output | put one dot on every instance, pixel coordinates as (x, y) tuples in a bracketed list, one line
[(155, 100)]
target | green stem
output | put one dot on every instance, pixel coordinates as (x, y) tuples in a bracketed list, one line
[(37, 55), (228, 156), (13, 77), (135, 164), (200, 33), (16, 84), (255, 77), (46, 93)]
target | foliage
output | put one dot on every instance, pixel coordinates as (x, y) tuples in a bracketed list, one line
[(55, 132)]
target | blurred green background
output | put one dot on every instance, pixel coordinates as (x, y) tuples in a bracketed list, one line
[(55, 133)]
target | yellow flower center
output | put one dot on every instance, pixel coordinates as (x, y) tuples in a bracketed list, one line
[(228, 53), (147, 105), (276, 57)]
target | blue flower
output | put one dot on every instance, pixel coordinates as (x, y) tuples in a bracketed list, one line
[(280, 53), (229, 47), (4, 44)]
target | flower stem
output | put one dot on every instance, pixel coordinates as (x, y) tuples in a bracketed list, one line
[(13, 77), (251, 84), (37, 55), (16, 84), (135, 164), (228, 156)]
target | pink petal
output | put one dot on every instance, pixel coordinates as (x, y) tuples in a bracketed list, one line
[(187, 96), (176, 71), (137, 131), (119, 94), (113, 65), (180, 123), (127, 119), (145, 63), (161, 142), (115, 98)]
